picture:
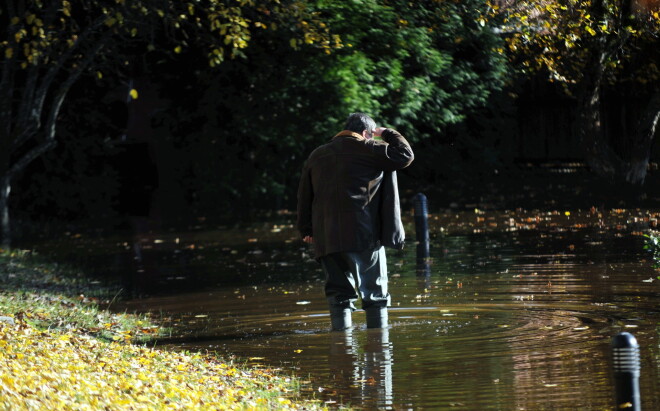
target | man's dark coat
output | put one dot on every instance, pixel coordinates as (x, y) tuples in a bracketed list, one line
[(348, 198)]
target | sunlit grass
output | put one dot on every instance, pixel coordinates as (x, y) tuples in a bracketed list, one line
[(43, 369), (59, 351), (48, 296)]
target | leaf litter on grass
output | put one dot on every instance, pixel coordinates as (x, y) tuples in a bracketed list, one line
[(41, 369), (60, 350)]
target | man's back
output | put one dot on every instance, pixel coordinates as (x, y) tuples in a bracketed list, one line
[(345, 173), (342, 181)]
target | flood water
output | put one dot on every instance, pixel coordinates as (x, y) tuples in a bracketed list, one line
[(514, 310)]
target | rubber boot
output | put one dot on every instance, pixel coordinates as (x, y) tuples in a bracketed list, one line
[(340, 318), (376, 317)]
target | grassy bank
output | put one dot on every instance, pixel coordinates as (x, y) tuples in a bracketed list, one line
[(60, 349)]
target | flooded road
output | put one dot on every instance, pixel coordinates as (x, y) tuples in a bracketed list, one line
[(508, 314)]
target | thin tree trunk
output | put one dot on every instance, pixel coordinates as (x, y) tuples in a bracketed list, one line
[(635, 172), (5, 228), (598, 154)]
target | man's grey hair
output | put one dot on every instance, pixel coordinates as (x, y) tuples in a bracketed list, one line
[(358, 122)]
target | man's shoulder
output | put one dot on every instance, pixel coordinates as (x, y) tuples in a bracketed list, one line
[(339, 145), (320, 150)]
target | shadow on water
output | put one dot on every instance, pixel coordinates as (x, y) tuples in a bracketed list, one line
[(514, 311)]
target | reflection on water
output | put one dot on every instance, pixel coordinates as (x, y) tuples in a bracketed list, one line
[(362, 366), (499, 319)]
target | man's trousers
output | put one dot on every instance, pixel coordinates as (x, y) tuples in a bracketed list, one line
[(350, 275)]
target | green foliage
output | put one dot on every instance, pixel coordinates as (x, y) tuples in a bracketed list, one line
[(246, 128), (417, 68), (653, 246)]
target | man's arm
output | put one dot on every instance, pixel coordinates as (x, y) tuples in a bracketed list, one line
[(397, 153), (305, 196)]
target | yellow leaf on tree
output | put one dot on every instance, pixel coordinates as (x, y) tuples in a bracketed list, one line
[(134, 94), (9, 53)]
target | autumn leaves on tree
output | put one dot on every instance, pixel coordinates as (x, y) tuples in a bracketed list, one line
[(589, 46)]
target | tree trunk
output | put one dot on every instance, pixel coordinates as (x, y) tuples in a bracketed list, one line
[(635, 169), (5, 228), (599, 156)]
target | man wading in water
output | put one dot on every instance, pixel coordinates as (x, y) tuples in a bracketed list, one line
[(348, 208)]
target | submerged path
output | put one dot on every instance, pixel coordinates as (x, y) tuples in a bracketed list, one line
[(514, 311)]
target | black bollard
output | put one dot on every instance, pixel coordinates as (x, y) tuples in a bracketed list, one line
[(421, 218), (625, 355), (422, 235)]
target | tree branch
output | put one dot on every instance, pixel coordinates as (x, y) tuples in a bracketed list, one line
[(23, 129), (6, 96), (29, 157), (49, 132), (7, 80), (42, 91), (23, 125), (58, 99), (650, 117)]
